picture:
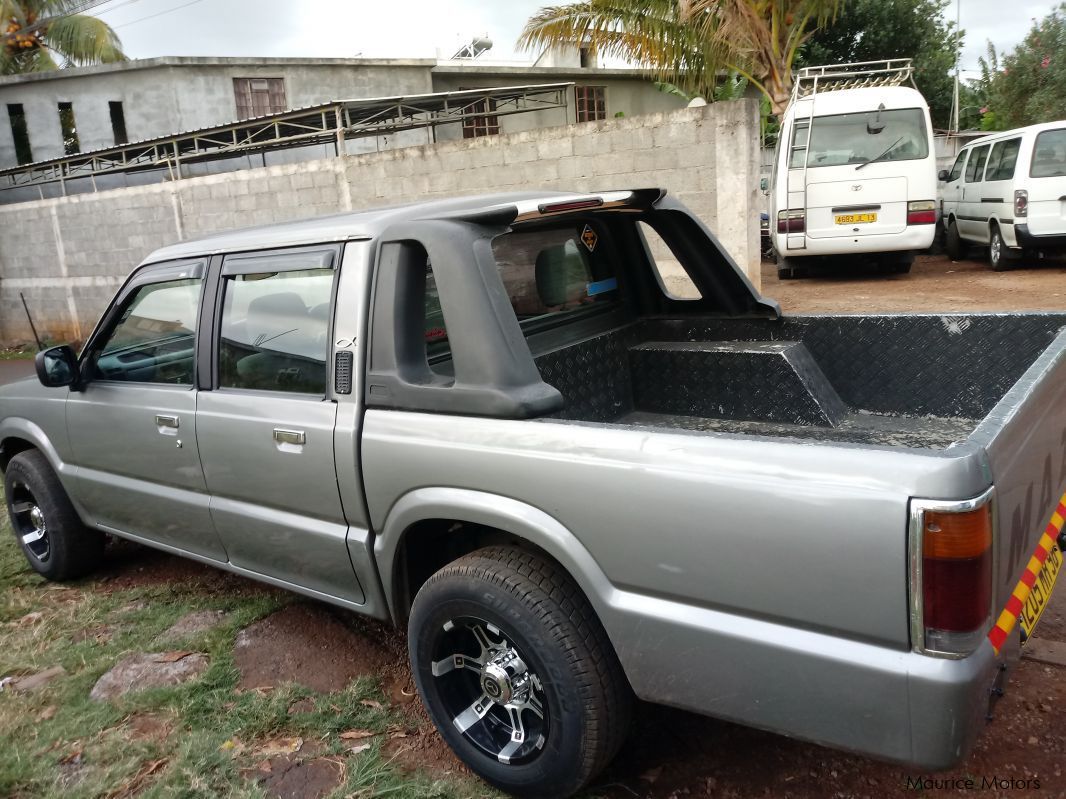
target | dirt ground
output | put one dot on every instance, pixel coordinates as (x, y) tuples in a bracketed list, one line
[(935, 283)]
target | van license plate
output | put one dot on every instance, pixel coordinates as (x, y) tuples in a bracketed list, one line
[(1040, 593), (855, 219)]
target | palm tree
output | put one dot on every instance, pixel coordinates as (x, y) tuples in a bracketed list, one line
[(687, 42), (35, 33)]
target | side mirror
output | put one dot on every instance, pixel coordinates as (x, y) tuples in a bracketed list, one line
[(57, 367), (764, 184), (942, 175)]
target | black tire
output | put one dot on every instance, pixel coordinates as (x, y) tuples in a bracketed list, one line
[(900, 264), (788, 270), (574, 703), (50, 533), (998, 256), (953, 245)]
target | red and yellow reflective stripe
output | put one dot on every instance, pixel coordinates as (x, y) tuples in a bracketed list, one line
[(1009, 617)]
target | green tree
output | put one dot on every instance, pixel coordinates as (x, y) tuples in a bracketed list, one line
[(1028, 84), (687, 42), (42, 35), (871, 30)]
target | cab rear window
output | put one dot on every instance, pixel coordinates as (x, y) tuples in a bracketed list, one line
[(1049, 154)]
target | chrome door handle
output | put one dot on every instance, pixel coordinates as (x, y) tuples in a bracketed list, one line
[(165, 420), (283, 436)]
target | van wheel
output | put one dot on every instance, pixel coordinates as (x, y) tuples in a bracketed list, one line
[(953, 245), (998, 254), (52, 537), (517, 673), (788, 270)]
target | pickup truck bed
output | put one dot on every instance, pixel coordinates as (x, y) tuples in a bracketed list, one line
[(914, 381)]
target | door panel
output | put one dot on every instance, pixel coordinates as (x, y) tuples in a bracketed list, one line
[(132, 429), (136, 472), (276, 502), (266, 431)]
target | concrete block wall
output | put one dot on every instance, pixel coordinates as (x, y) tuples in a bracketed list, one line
[(68, 255)]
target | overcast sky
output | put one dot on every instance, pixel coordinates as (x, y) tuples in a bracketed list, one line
[(412, 28)]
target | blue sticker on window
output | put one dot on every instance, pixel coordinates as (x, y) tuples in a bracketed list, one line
[(602, 286)]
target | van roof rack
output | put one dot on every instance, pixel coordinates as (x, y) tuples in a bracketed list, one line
[(862, 74)]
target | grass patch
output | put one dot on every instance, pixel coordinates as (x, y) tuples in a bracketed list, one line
[(195, 740)]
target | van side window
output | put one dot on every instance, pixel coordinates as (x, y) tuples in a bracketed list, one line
[(956, 170), (1049, 154), (1002, 159), (975, 169), (275, 330), (801, 130)]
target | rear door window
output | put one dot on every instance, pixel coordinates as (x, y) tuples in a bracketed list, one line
[(1049, 154), (556, 272), (975, 167), (1002, 160), (275, 323)]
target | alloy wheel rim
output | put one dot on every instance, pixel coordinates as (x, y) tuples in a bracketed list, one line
[(29, 523), (995, 247), (488, 691)]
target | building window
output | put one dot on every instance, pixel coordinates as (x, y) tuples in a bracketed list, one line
[(70, 129), (591, 103), (19, 133), (257, 97), (485, 123), (118, 122)]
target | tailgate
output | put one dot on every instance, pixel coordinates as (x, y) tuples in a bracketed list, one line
[(1047, 206), (857, 207), (1025, 441)]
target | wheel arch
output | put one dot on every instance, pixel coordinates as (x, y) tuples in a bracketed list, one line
[(452, 522), (18, 435)]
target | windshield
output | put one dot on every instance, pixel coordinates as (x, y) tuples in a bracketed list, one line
[(895, 135), (1049, 154)]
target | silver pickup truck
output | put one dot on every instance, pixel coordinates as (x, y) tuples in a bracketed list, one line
[(562, 439)]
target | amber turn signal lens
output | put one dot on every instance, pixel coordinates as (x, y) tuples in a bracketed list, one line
[(951, 536)]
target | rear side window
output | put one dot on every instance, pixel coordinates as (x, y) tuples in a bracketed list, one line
[(1002, 159), (1049, 154), (555, 272), (275, 330), (956, 170), (154, 338), (975, 168)]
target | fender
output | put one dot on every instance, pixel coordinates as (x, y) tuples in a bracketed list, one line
[(17, 427), (491, 510)]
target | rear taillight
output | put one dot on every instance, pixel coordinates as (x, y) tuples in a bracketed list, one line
[(1021, 202), (791, 221), (952, 572), (921, 212)]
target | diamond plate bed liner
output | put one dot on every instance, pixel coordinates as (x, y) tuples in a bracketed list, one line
[(905, 380)]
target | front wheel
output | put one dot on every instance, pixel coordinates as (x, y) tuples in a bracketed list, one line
[(517, 673), (52, 537), (953, 245)]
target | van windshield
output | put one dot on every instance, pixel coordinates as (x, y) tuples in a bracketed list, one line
[(1049, 154), (891, 135)]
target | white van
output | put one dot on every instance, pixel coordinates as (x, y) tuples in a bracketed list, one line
[(854, 171), (1008, 191)]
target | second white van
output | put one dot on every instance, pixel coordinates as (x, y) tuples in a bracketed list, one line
[(1007, 191)]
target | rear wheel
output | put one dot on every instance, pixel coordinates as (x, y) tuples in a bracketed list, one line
[(52, 537), (998, 254), (517, 673), (953, 245), (787, 269)]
